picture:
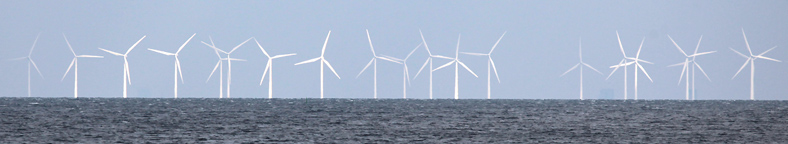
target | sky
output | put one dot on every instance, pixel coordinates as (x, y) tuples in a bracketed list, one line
[(541, 43)]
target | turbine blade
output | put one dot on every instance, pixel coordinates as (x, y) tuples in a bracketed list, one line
[(678, 64), (308, 61), (495, 70), (444, 65), (332, 68), (644, 72), (474, 54), (370, 44), (703, 53), (589, 66), (407, 75), (496, 42), (414, 50), (89, 56), (425, 43), (178, 65), (19, 58), (323, 52), (422, 68), (283, 55), (69, 69), (262, 49), (111, 52), (641, 47), (128, 74), (698, 46), (34, 65), (235, 59), (570, 69), (742, 67), (683, 69), (239, 45), (387, 59), (764, 52), (767, 58), (161, 52), (614, 70), (69, 46), (365, 67), (619, 44), (214, 70), (214, 48), (466, 68), (34, 45), (184, 44), (677, 46), (745, 41), (701, 70), (737, 52), (392, 58), (135, 45), (267, 67), (443, 57)]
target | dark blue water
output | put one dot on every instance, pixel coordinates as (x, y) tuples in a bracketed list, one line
[(109, 120)]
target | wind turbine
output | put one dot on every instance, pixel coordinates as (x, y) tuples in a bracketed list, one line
[(751, 61), (456, 69), (581, 69), (322, 61), (29, 62), (687, 64), (126, 74), (229, 62), (269, 69), (374, 62), (75, 63), (178, 71), (624, 62), (490, 63), (220, 65), (405, 73), (429, 61)]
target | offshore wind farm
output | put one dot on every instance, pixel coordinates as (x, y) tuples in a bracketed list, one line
[(559, 74)]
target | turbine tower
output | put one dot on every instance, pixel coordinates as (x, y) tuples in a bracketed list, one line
[(29, 62), (374, 62), (269, 69), (75, 64), (490, 63), (220, 65), (126, 74), (405, 73), (456, 69), (178, 71), (322, 62), (429, 61), (690, 63), (229, 62), (751, 61), (581, 68)]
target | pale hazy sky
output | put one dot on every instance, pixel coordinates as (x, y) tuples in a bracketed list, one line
[(541, 43)]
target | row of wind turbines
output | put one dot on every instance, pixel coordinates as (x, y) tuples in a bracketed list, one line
[(626, 61)]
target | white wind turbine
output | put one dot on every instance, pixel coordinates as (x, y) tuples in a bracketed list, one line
[(687, 64), (374, 62), (269, 69), (581, 69), (75, 63), (126, 74), (456, 69), (624, 62), (490, 63), (405, 73), (751, 61), (178, 71), (322, 62), (29, 62), (429, 61), (220, 65), (229, 62)]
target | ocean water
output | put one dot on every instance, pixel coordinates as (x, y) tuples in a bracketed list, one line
[(137, 120)]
